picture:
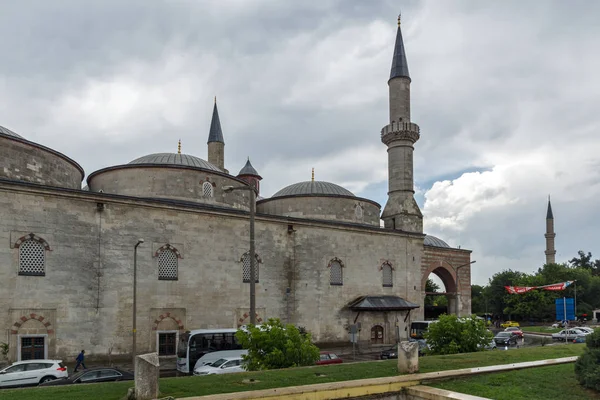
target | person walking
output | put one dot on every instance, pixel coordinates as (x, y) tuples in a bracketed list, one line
[(79, 359)]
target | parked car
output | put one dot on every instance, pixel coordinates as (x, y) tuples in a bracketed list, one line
[(506, 324), (568, 334), (93, 375), (213, 356), (585, 329), (392, 352), (515, 330), (505, 339), (226, 365), (328, 357), (32, 372)]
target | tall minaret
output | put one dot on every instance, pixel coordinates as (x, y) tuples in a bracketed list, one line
[(401, 211), (216, 145), (550, 235)]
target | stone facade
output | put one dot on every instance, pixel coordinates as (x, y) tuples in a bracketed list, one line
[(26, 161), (339, 208), (84, 298)]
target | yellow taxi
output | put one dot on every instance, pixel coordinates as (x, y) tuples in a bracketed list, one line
[(507, 324)]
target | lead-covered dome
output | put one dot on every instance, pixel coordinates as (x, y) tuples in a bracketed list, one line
[(8, 132), (313, 188), (434, 241), (175, 159)]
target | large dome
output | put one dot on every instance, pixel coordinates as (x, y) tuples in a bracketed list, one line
[(433, 241), (175, 159), (309, 188), (8, 132)]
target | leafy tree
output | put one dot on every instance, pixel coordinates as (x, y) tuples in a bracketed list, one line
[(273, 345), (585, 261), (478, 299), (432, 300), (451, 335), (587, 367)]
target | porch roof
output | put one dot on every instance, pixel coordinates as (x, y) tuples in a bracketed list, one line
[(381, 303)]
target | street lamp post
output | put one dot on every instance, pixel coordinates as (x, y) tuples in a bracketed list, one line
[(458, 281), (252, 255), (140, 241)]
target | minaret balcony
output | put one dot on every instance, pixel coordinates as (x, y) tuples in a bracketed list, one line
[(400, 131)]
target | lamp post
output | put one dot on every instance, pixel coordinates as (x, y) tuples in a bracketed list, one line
[(140, 241), (252, 191), (458, 281)]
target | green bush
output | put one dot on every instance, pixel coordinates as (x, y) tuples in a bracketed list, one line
[(587, 367), (451, 335), (273, 345)]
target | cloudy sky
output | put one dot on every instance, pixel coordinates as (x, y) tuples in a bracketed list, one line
[(507, 95)]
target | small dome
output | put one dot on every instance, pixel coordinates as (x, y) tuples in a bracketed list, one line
[(433, 241), (175, 159), (309, 188), (8, 132), (248, 170)]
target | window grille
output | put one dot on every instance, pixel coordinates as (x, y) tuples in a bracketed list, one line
[(167, 342), (335, 273), (167, 265), (386, 270), (358, 212), (32, 258), (207, 189), (246, 268)]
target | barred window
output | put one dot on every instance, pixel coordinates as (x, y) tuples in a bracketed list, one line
[(358, 212), (246, 267), (167, 343), (335, 273), (168, 265), (386, 270), (32, 258), (207, 189)]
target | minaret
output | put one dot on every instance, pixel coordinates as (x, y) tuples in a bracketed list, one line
[(401, 211), (216, 145), (550, 235)]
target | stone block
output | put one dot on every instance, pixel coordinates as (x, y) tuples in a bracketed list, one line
[(146, 376), (408, 357)]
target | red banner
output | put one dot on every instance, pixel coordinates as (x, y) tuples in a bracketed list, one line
[(525, 289)]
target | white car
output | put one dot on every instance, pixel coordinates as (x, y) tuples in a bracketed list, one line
[(569, 334), (32, 372), (226, 365), (585, 329)]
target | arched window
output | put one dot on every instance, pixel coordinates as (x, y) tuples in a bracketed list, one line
[(207, 189), (246, 267), (387, 274), (168, 265), (377, 334), (336, 277), (32, 258)]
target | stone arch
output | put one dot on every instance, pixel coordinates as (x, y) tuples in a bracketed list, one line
[(18, 324), (444, 272), (167, 247), (167, 315), (32, 236)]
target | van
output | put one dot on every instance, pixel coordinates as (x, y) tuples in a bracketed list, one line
[(210, 358)]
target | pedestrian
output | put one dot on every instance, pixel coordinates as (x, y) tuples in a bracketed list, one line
[(79, 359)]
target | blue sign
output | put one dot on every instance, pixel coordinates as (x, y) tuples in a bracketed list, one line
[(560, 309)]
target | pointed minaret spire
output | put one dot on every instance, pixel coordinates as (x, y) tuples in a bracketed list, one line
[(216, 144), (399, 64), (550, 235)]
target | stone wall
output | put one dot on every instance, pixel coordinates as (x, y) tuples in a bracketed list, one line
[(85, 297), (335, 208), (26, 161), (169, 182)]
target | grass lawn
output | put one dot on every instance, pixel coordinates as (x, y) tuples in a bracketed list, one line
[(197, 386), (555, 382), (542, 329)]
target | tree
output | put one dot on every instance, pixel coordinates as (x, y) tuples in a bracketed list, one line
[(478, 299), (273, 345), (585, 261), (451, 335), (431, 286), (587, 367)]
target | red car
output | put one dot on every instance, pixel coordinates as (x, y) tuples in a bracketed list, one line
[(328, 357), (515, 331)]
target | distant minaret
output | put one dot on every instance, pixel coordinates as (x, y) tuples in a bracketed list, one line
[(216, 144), (550, 235), (401, 211)]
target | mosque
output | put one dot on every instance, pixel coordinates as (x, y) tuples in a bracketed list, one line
[(324, 260)]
